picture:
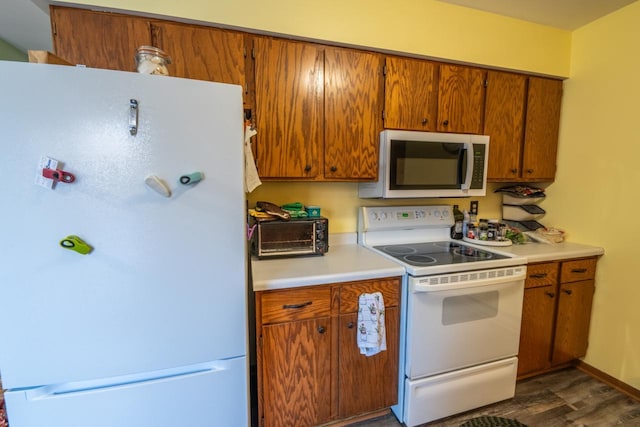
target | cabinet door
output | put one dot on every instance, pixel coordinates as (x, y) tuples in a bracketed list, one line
[(202, 53), (289, 108), (296, 373), (461, 94), (572, 324), (541, 129), (537, 329), (353, 114), (97, 39), (367, 383), (411, 97), (504, 123)]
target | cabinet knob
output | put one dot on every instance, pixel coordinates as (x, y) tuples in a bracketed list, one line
[(445, 123), (333, 168), (350, 325), (322, 329), (550, 294), (529, 170), (307, 168), (567, 291), (425, 121), (514, 170)]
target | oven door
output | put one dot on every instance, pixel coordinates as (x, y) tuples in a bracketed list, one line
[(463, 319)]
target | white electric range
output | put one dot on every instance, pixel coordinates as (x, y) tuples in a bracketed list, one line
[(460, 315)]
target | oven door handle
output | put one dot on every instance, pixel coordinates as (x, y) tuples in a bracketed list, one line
[(422, 285)]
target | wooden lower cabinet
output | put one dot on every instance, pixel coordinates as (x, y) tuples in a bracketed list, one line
[(296, 384), (310, 370), (556, 314)]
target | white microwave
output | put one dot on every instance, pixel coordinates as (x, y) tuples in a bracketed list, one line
[(429, 164)]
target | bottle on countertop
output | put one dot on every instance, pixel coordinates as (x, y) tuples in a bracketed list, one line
[(456, 229)]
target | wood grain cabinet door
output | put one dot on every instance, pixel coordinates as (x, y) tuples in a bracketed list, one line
[(573, 319), (461, 95), (202, 53), (98, 39), (544, 100), (367, 383), (411, 94), (353, 98), (504, 123), (289, 108), (536, 335), (296, 373)]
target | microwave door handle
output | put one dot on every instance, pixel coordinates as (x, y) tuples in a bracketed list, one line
[(467, 181)]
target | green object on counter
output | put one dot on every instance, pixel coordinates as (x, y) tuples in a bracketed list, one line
[(296, 214), (295, 209), (295, 206), (75, 243)]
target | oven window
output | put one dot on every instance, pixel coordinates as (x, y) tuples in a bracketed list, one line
[(467, 308)]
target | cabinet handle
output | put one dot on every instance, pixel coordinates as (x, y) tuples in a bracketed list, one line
[(529, 170), (538, 275), (550, 294), (307, 168), (295, 306), (567, 291), (350, 325), (445, 123), (322, 329), (514, 170), (425, 121), (333, 168), (579, 270)]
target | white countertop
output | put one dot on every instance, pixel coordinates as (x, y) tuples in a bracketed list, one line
[(540, 252), (347, 261)]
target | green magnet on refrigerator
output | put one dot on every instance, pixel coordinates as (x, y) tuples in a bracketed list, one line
[(75, 243), (191, 178)]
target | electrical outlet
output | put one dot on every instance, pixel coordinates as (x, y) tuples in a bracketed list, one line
[(473, 209)]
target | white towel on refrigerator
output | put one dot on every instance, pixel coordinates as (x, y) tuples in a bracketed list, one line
[(251, 178), (372, 337)]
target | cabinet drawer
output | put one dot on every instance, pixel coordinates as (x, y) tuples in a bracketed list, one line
[(295, 304), (581, 269), (541, 274), (350, 293)]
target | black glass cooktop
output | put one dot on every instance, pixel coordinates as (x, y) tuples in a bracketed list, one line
[(437, 253)]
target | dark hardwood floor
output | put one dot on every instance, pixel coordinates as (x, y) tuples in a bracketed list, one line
[(564, 398)]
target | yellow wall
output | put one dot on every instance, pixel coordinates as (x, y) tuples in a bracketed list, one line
[(593, 197)]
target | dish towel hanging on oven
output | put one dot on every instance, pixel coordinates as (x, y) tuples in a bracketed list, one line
[(372, 337)]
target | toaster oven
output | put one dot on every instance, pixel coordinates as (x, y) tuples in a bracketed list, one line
[(295, 237)]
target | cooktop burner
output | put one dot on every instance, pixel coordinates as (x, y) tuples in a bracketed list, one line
[(437, 253)]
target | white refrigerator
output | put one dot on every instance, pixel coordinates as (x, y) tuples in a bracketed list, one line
[(123, 275)]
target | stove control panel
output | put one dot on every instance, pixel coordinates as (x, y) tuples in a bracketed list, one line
[(373, 218)]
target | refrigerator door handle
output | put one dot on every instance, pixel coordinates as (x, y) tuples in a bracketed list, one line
[(53, 390), (133, 116)]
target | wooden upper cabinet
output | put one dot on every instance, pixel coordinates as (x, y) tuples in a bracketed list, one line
[(289, 108), (504, 123), (353, 99), (97, 39), (544, 101), (411, 97), (461, 94), (202, 53)]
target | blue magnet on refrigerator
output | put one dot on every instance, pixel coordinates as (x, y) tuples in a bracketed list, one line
[(191, 178)]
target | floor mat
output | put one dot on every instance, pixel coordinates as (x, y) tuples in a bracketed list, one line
[(486, 421)]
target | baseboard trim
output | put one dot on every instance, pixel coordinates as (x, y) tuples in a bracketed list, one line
[(625, 388)]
